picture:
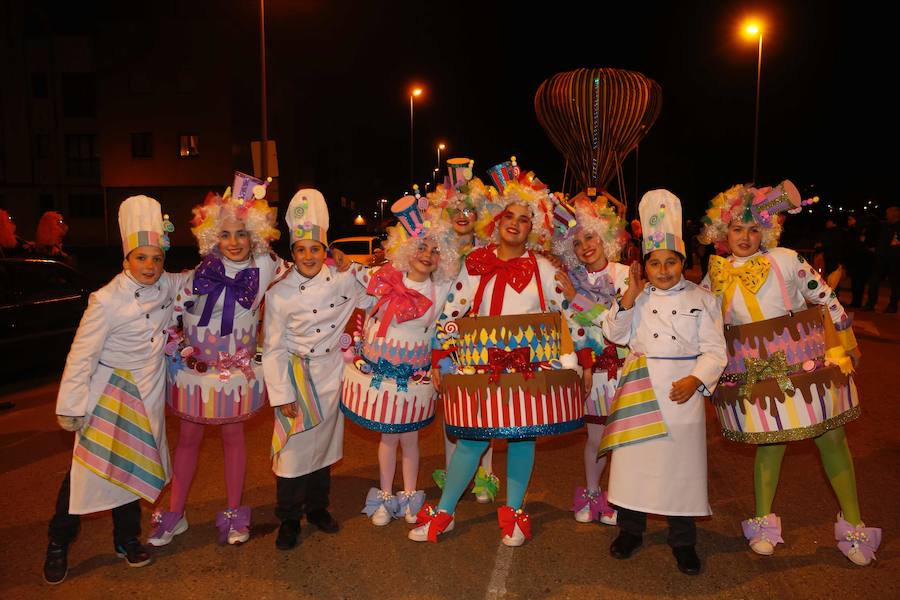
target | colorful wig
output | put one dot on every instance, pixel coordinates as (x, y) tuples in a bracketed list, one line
[(255, 213)]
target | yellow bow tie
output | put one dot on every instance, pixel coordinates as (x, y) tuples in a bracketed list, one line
[(751, 274)]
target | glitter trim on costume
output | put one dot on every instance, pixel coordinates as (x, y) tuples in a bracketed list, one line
[(792, 435)]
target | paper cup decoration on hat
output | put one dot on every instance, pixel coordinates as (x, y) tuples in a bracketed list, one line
[(406, 209), (563, 219), (660, 212), (141, 223), (460, 170), (245, 202), (504, 173), (246, 187), (307, 217), (747, 204)]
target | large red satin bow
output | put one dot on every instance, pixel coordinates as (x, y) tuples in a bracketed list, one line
[(515, 273), (399, 302), (502, 361), (508, 518)]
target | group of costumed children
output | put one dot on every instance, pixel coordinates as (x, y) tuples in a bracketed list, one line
[(501, 302)]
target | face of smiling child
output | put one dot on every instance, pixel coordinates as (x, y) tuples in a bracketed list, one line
[(663, 268)]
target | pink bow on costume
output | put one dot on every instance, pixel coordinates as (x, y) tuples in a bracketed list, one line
[(239, 360), (399, 302), (866, 539)]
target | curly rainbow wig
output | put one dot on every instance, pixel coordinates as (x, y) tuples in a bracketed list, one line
[(256, 215), (400, 247), (603, 222), (734, 205)]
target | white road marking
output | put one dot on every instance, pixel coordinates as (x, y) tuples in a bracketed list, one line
[(497, 584)]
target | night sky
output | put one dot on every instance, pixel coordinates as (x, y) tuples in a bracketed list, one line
[(345, 69)]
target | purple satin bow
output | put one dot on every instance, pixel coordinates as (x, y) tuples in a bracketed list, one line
[(210, 279), (596, 501), (766, 528)]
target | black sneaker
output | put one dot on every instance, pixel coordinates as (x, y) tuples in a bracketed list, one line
[(133, 553), (288, 534), (322, 519), (687, 559), (625, 544), (56, 565)]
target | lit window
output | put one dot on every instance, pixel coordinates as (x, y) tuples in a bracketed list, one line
[(189, 145)]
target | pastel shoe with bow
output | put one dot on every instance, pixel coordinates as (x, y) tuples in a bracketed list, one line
[(382, 507), (432, 523), (858, 543), (763, 533), (410, 505), (515, 525)]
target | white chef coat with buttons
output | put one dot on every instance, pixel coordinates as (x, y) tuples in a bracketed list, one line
[(306, 317), (123, 327), (680, 332)]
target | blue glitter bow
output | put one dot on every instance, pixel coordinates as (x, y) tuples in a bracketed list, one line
[(376, 498), (210, 279), (400, 373)]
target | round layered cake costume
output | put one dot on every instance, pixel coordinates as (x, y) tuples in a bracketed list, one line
[(463, 201), (505, 357), (791, 355), (587, 238), (387, 384), (214, 374)]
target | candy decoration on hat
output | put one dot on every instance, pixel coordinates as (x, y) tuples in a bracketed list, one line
[(141, 224), (307, 217), (660, 212), (246, 187), (406, 209), (460, 170)]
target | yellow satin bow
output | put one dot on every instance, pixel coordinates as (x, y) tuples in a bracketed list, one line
[(752, 274)]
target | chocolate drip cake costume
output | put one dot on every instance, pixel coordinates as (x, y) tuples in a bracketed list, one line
[(387, 385), (791, 357), (506, 358), (214, 371)]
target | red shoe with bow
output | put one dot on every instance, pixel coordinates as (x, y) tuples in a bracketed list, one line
[(515, 525), (431, 523)]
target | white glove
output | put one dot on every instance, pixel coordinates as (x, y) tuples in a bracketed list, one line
[(70, 423)]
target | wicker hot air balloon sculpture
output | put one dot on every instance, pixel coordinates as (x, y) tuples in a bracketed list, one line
[(596, 117)]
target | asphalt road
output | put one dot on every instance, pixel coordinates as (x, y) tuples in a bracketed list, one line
[(565, 559)]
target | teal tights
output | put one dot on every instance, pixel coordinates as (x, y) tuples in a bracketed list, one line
[(519, 463), (836, 459)]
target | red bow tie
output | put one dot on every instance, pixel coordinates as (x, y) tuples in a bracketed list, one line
[(516, 273), (400, 302)]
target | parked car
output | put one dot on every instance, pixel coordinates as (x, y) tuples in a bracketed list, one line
[(41, 303), (365, 249)]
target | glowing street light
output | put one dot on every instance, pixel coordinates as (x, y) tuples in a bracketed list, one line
[(752, 29), (415, 92)]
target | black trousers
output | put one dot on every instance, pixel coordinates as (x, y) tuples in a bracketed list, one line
[(682, 530), (64, 527), (296, 496)]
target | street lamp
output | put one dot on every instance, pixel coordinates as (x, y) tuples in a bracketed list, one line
[(381, 204), (439, 148), (434, 175), (751, 29), (413, 94)]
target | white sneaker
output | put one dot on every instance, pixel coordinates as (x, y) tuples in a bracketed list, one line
[(483, 498), (584, 515), (763, 547), (516, 539), (163, 537), (609, 518), (381, 516), (857, 557), (409, 516), (236, 536), (420, 534)]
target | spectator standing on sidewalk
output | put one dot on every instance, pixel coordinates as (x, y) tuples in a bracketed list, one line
[(887, 261)]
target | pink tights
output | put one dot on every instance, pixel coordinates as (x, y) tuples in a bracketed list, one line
[(189, 438), (387, 459)]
